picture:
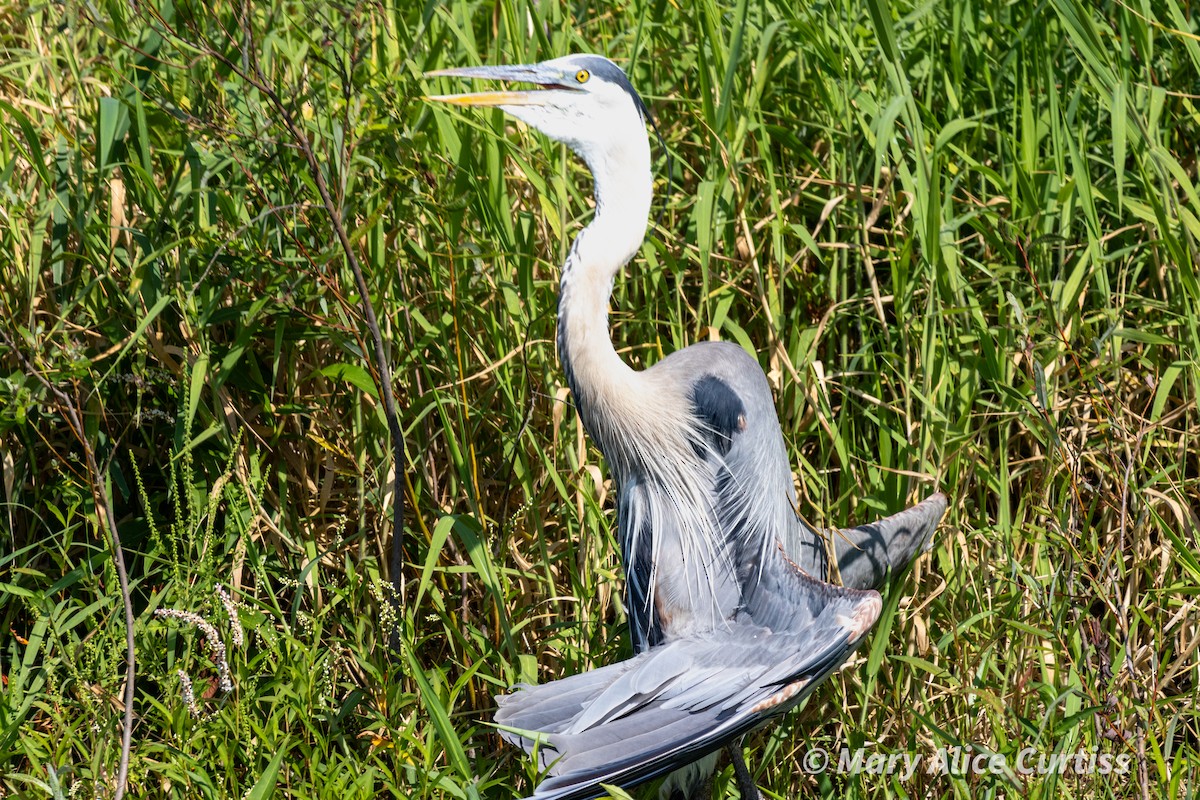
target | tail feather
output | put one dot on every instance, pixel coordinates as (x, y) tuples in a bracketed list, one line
[(677, 702), (551, 707)]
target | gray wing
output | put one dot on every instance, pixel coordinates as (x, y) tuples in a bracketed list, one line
[(866, 554), (753, 494), (641, 718), (743, 473)]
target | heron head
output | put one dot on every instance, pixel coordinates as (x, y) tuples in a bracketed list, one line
[(585, 101)]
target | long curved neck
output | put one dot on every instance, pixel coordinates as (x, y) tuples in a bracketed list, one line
[(598, 377)]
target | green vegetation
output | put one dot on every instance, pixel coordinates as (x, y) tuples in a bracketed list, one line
[(960, 236)]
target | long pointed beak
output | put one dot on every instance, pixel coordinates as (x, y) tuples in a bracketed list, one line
[(488, 99), (523, 73)]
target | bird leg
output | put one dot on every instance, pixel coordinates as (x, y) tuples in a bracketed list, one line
[(745, 780)]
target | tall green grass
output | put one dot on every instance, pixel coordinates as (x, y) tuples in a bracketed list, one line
[(960, 237)]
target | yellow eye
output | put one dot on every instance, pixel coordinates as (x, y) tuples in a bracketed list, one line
[(582, 76)]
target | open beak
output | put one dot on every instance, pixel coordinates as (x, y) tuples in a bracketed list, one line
[(523, 73)]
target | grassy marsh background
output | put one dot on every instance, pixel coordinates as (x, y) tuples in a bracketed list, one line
[(960, 236)]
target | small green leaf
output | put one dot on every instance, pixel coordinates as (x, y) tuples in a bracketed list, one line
[(264, 787), (353, 374)]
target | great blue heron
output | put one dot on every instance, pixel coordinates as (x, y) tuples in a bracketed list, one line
[(728, 627)]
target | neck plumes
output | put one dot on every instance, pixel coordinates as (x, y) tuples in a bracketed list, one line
[(599, 379)]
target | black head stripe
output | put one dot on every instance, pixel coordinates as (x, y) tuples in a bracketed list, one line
[(606, 70)]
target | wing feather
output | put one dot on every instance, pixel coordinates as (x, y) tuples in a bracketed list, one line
[(676, 702)]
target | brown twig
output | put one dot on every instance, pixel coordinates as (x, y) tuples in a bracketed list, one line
[(251, 71), (108, 521)]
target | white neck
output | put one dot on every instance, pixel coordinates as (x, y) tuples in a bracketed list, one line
[(624, 190)]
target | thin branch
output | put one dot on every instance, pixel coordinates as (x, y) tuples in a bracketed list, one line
[(251, 72), (108, 521)]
